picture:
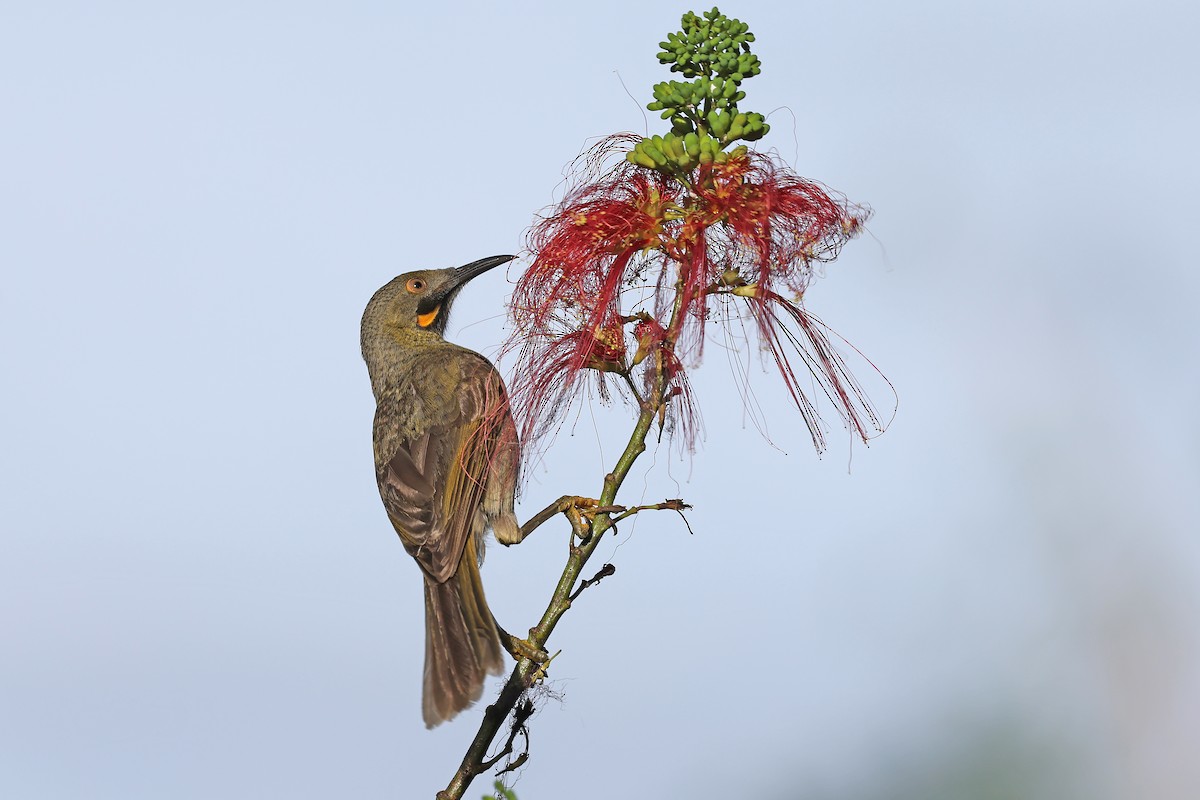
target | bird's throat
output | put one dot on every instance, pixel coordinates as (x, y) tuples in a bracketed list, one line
[(425, 320)]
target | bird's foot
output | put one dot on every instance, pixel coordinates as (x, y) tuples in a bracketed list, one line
[(578, 505), (522, 648), (589, 509), (582, 513), (575, 508)]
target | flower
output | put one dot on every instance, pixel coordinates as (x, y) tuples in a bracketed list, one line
[(637, 259)]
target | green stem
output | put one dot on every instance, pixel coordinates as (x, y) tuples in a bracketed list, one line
[(523, 674)]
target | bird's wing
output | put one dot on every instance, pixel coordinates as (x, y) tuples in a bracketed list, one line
[(432, 481)]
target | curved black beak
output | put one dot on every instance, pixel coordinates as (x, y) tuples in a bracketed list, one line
[(476, 268), (458, 278)]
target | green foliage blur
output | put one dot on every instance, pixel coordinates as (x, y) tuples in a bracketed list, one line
[(501, 793)]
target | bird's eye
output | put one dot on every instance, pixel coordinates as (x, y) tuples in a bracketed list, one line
[(415, 285)]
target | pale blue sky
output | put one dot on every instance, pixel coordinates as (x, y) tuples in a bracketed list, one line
[(200, 596)]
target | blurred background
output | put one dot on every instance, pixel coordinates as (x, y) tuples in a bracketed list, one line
[(201, 597)]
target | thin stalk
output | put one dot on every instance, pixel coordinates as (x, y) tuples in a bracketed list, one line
[(475, 760)]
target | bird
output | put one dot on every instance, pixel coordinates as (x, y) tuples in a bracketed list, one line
[(447, 458)]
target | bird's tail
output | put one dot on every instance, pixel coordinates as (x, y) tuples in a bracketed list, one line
[(461, 642)]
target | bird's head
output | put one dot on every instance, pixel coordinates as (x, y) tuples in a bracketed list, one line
[(419, 301)]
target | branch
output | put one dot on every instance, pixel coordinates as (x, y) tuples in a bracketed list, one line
[(521, 714), (605, 571), (666, 505), (588, 533)]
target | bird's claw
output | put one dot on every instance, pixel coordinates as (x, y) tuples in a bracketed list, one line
[(522, 648)]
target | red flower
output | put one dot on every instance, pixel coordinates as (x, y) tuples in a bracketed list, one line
[(554, 366), (637, 245)]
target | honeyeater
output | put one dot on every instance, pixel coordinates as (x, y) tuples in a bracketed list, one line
[(446, 461)]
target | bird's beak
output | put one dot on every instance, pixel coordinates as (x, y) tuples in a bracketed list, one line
[(476, 268), (432, 302)]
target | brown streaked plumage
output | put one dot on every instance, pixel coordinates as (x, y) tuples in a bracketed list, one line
[(446, 461)]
